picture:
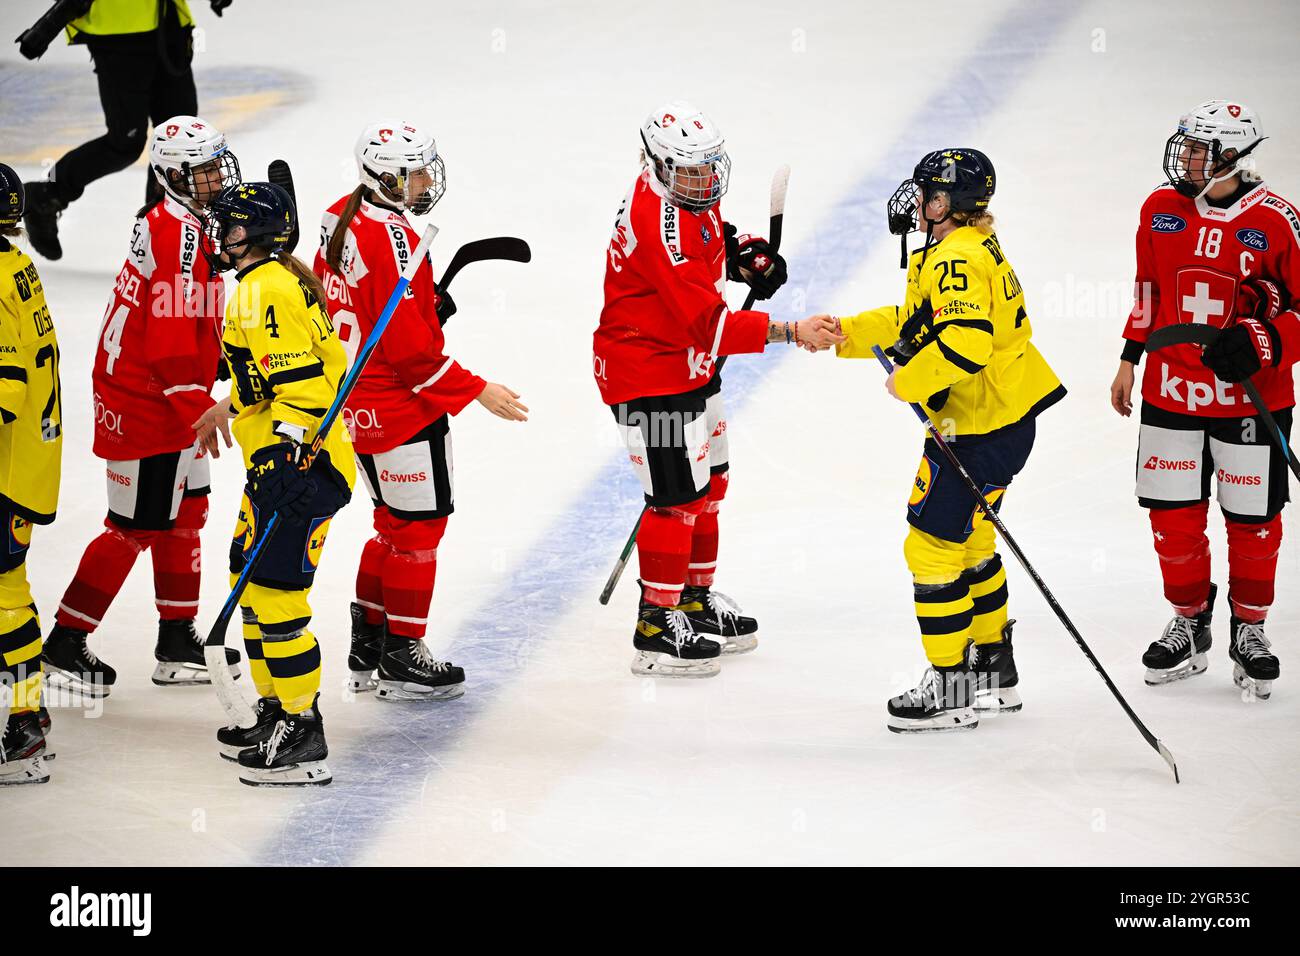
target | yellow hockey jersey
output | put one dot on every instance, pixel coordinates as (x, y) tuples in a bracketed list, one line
[(978, 370), (31, 404), (285, 361)]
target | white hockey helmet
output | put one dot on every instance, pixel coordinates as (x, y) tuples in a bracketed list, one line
[(391, 155), (1194, 155), (688, 154), (186, 145)]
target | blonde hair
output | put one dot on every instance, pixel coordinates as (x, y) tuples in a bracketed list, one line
[(302, 274), (980, 219)]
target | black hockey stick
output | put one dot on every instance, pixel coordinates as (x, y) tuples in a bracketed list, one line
[(499, 247), (214, 654), (1196, 333), (279, 174), (776, 216), (991, 513)]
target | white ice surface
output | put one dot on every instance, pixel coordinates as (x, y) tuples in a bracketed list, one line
[(557, 754)]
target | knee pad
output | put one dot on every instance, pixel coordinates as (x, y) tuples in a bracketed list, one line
[(135, 538), (417, 539), (278, 613), (717, 490), (1255, 542), (1179, 533), (193, 514), (684, 513), (981, 546), (932, 560)]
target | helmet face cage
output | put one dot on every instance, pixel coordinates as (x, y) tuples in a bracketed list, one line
[(1192, 165), (226, 170), (695, 186), (415, 188), (265, 225), (211, 242), (901, 210)]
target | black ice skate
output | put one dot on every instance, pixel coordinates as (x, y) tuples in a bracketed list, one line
[(667, 645), (367, 645), (41, 219), (1254, 668), (232, 741), (179, 653), (70, 664), (43, 716), (22, 751), (994, 670), (942, 701), (292, 756), (407, 671), (717, 616), (1180, 652)]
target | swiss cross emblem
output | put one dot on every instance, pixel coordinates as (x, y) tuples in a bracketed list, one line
[(668, 120), (385, 135), (1206, 297), (1234, 109), (172, 130)]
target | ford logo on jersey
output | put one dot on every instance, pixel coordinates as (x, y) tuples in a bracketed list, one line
[(1254, 238), (1164, 222)]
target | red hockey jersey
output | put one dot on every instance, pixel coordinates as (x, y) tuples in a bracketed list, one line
[(160, 340), (665, 320), (408, 381), (1191, 260)]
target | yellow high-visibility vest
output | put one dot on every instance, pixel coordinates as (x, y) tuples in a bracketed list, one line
[(115, 17)]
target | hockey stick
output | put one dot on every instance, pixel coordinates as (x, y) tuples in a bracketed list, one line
[(279, 174), (776, 216), (991, 513), (1196, 333), (500, 247), (214, 655)]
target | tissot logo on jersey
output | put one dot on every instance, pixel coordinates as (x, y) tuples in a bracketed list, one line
[(668, 233)]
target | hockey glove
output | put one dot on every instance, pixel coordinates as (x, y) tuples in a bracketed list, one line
[(763, 268), (36, 39), (1243, 349), (1262, 299), (444, 306), (278, 483), (219, 5), (913, 335)]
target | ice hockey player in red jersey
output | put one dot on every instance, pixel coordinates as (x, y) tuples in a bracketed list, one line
[(155, 364), (399, 414), (664, 324), (1214, 246)]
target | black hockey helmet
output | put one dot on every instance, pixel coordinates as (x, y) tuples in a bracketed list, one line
[(13, 198), (265, 212), (966, 175)]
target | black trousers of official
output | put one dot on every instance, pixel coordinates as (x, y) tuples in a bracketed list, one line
[(142, 78)]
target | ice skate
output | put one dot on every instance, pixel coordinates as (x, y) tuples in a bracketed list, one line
[(292, 756), (942, 701), (1180, 651), (22, 751), (232, 741), (715, 615), (1254, 667), (994, 671), (667, 645), (179, 653), (367, 646), (73, 666), (407, 671)]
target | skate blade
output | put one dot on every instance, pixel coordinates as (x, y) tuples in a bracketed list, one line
[(1251, 689), (359, 682), (656, 664), (740, 645), (1196, 664), (1005, 701), (964, 719), (311, 774), (169, 674), (231, 752), (397, 690), (67, 681), (18, 772)]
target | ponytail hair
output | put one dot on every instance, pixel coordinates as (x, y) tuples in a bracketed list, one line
[(304, 275), (334, 251), (980, 219)]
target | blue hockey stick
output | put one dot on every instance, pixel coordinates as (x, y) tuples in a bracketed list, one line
[(214, 654), (991, 513)]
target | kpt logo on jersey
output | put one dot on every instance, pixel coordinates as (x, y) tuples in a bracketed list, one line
[(1165, 222), (316, 533)]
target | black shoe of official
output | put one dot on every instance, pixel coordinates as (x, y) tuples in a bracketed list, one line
[(71, 664), (292, 755), (232, 741), (367, 646), (22, 751), (179, 653), (407, 671), (944, 700), (715, 615), (1180, 651), (1254, 666), (994, 669), (41, 219), (668, 645)]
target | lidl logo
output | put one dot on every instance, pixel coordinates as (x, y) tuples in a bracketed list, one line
[(316, 533), (246, 525), (921, 485), (993, 495), (20, 534)]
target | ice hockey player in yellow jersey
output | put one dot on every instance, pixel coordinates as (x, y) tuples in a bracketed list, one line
[(31, 446), (961, 346), (286, 364)]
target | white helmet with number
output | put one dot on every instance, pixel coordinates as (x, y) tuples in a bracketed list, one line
[(688, 153), (391, 154), (183, 145), (1194, 155)]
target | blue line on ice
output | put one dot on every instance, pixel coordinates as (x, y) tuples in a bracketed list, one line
[(379, 775)]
